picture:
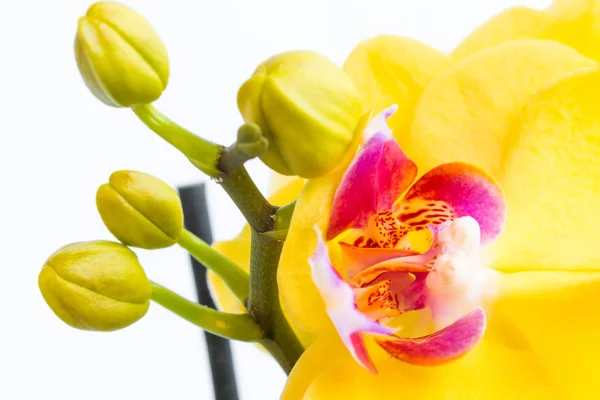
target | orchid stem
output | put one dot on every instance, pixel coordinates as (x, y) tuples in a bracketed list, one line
[(232, 326), (236, 279), (249, 200), (264, 304)]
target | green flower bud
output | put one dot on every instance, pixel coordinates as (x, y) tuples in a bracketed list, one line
[(96, 286), (120, 57), (307, 108), (140, 210)]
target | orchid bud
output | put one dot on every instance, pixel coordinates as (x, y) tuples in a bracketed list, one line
[(97, 286), (307, 108), (120, 57), (140, 210)]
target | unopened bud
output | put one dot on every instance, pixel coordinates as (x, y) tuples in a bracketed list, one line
[(120, 57), (140, 210), (97, 286), (307, 108)]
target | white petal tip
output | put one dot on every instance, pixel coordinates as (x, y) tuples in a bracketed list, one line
[(378, 123)]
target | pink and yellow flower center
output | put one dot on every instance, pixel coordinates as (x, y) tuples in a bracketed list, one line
[(385, 230), (454, 208)]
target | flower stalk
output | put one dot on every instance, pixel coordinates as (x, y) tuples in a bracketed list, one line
[(232, 326), (236, 279), (202, 153)]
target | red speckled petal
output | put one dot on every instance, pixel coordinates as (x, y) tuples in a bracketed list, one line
[(443, 346), (455, 190), (376, 261), (379, 174), (392, 294)]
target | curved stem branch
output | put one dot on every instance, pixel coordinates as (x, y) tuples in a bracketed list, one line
[(236, 279), (201, 152), (232, 326)]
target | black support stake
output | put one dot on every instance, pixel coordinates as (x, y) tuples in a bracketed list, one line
[(196, 219)]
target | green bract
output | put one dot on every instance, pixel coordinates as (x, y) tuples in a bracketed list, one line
[(97, 286)]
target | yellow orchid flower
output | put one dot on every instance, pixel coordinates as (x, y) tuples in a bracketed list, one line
[(490, 304)]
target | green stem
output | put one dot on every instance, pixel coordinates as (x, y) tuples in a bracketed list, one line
[(236, 279), (232, 326), (249, 200), (201, 152), (264, 304)]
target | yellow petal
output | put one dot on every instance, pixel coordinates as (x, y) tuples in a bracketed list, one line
[(491, 371), (238, 250), (465, 111), (393, 70), (541, 343), (323, 354), (575, 23), (555, 314), (552, 181), (570, 10), (516, 23), (279, 181)]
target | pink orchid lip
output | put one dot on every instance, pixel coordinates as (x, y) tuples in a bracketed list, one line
[(440, 347)]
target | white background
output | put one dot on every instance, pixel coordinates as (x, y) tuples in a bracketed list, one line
[(58, 144)]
